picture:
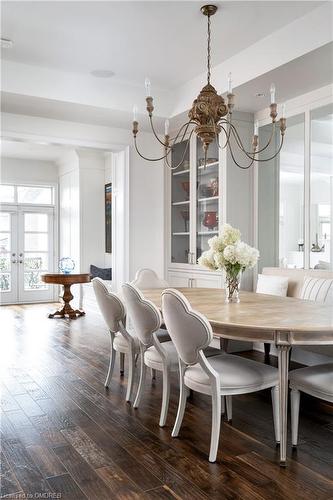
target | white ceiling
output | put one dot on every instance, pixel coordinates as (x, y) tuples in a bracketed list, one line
[(165, 40)]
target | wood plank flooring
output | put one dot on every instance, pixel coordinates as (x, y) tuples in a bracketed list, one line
[(63, 435)]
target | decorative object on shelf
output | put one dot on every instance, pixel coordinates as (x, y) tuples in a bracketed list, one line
[(186, 188), (208, 117), (186, 216), (108, 217), (227, 252), (206, 191), (210, 220), (66, 265), (316, 247), (215, 187)]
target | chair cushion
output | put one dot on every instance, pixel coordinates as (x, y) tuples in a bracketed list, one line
[(272, 285), (120, 343), (154, 360), (315, 380), (237, 375), (318, 289)]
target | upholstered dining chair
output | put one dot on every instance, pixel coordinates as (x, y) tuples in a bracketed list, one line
[(121, 340), (147, 278), (156, 351), (314, 380), (223, 375)]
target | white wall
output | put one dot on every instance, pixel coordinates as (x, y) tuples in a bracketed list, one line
[(146, 226), (18, 170)]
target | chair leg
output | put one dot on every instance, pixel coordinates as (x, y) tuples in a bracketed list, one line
[(222, 405), (267, 348), (131, 370), (122, 363), (276, 412), (153, 374), (216, 424), (142, 379), (183, 392), (165, 397), (295, 399), (111, 362), (228, 408)]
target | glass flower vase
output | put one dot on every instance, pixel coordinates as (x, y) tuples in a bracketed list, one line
[(232, 286)]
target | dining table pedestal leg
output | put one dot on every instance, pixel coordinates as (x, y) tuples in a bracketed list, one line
[(283, 360)]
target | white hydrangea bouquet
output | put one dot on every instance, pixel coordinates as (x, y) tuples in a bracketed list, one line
[(227, 252)]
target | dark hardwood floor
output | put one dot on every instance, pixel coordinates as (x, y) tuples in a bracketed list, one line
[(64, 436)]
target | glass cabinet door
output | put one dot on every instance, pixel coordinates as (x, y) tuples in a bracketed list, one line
[(180, 205), (207, 203)]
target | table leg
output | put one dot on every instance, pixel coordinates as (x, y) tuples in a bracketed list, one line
[(67, 310), (283, 358)]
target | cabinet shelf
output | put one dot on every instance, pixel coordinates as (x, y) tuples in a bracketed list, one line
[(181, 172), (209, 165), (180, 234), (210, 198), (207, 233), (177, 203)]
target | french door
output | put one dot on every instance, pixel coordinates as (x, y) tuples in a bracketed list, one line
[(26, 252)]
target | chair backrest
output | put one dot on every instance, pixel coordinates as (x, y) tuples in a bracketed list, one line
[(189, 330), (147, 278), (110, 305), (144, 315)]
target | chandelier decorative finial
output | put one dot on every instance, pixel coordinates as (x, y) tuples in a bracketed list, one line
[(209, 116)]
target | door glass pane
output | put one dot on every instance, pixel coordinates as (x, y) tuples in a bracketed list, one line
[(32, 281), (321, 185), (7, 194), (180, 209), (34, 261), (28, 194), (4, 221), (4, 262), (281, 197), (207, 196), (5, 282), (35, 241), (4, 242), (35, 222)]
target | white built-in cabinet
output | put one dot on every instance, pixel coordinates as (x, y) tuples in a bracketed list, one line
[(199, 200)]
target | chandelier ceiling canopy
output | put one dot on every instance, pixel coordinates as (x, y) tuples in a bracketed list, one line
[(210, 115)]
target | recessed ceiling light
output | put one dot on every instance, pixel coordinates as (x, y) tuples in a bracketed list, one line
[(6, 43), (260, 94), (102, 73)]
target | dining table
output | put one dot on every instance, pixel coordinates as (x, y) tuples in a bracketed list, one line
[(282, 321)]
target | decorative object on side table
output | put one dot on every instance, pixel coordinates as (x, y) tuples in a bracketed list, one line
[(66, 280), (66, 265), (227, 252)]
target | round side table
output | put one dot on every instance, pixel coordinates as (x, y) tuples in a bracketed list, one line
[(66, 280)]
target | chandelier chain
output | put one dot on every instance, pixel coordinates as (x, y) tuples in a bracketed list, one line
[(208, 49)]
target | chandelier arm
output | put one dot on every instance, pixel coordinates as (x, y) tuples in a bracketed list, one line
[(275, 154), (183, 157), (144, 157), (235, 161), (186, 126), (154, 132), (227, 134), (240, 144)]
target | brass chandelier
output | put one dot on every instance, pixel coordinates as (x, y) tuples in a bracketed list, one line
[(209, 116)]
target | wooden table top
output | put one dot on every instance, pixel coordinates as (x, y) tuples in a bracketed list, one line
[(65, 279), (258, 313)]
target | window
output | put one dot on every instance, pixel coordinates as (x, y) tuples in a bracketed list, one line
[(38, 195)]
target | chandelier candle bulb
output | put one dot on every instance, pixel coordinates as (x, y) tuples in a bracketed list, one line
[(229, 84), (148, 87), (256, 127), (166, 127), (135, 113), (272, 91), (283, 111)]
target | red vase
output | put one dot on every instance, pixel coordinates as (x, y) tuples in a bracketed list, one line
[(210, 220)]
